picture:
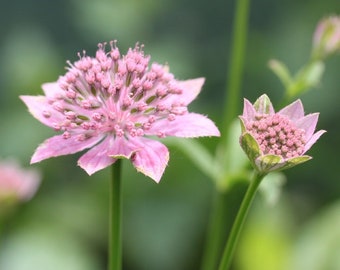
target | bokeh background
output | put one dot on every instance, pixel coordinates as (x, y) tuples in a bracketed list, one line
[(65, 225)]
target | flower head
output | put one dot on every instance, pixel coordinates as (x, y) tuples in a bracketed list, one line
[(327, 37), (277, 141), (113, 103), (16, 184)]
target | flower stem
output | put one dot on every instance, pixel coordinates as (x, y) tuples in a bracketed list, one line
[(238, 223), (235, 70), (115, 221), (214, 241)]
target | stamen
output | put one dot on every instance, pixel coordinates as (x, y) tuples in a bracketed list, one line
[(277, 135)]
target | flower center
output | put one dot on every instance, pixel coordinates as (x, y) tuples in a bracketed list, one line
[(115, 94), (277, 135)]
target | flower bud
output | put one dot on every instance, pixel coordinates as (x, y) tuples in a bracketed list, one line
[(327, 37)]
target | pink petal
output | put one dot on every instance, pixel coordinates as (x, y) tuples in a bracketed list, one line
[(308, 124), (313, 139), (248, 110), (58, 146), (123, 148), (191, 88), (151, 159), (38, 107), (189, 126), (293, 111), (97, 158), (51, 89), (148, 156)]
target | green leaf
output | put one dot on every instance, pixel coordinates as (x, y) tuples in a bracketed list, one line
[(231, 158), (198, 154), (308, 77), (281, 71), (317, 246), (271, 187)]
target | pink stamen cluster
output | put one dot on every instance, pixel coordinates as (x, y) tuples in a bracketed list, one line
[(114, 94), (277, 135)]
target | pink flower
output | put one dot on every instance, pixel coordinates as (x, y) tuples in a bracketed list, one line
[(327, 36), (114, 104), (277, 141), (17, 184)]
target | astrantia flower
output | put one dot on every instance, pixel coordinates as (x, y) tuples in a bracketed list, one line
[(16, 184), (327, 37), (277, 141), (113, 103)]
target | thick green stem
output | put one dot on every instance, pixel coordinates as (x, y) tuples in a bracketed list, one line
[(115, 220), (235, 70), (238, 223), (234, 76), (216, 227)]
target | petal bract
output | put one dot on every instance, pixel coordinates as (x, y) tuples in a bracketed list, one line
[(313, 139), (38, 107), (190, 125), (51, 89), (268, 163), (250, 147), (293, 111), (151, 159), (249, 111), (97, 158), (263, 105), (191, 88), (58, 146), (308, 124)]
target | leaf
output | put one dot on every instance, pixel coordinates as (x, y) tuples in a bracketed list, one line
[(281, 71), (271, 187), (318, 244), (197, 153), (308, 77)]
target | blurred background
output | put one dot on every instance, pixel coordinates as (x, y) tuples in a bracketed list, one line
[(65, 225)]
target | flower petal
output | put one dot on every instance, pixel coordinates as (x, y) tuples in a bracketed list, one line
[(293, 111), (58, 146), (151, 159), (51, 89), (123, 148), (40, 109), (191, 88), (189, 126), (97, 158), (249, 111), (308, 124), (312, 140)]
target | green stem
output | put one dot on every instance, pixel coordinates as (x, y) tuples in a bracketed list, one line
[(235, 70), (115, 220), (238, 223), (216, 227)]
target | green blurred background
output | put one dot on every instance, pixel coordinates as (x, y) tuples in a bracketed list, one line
[(65, 225)]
